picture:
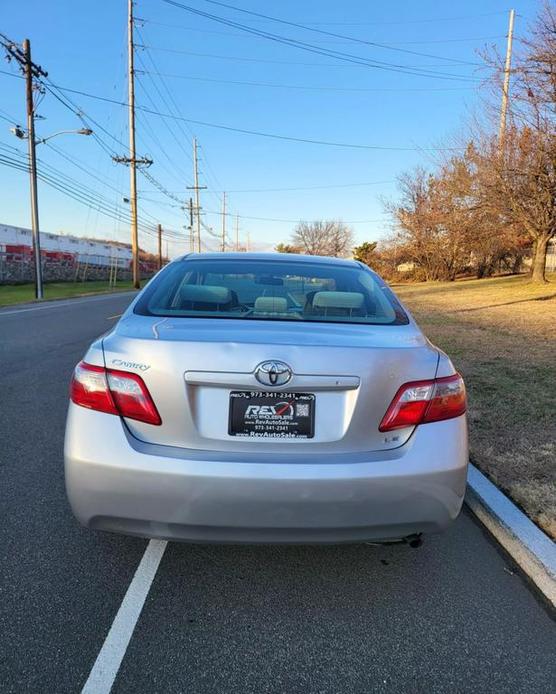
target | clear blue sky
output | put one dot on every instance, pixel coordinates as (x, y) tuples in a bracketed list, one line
[(83, 47)]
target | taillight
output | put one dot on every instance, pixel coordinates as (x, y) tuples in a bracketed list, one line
[(420, 402), (89, 388), (114, 392)]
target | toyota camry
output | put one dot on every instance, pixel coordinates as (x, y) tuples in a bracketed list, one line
[(250, 397)]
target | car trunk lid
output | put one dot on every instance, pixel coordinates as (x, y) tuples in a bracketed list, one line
[(192, 365)]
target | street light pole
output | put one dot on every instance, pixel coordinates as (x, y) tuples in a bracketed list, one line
[(22, 55), (81, 131), (39, 294)]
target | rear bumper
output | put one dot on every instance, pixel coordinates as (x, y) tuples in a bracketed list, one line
[(115, 482)]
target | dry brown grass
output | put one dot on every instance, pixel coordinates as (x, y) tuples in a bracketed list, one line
[(501, 335)]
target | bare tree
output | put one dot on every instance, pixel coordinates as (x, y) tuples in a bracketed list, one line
[(431, 223), (480, 210), (325, 237), (519, 173), (452, 221), (518, 185)]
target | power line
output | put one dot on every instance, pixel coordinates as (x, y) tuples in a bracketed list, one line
[(311, 48), (266, 219), (410, 21), (9, 119), (86, 119), (291, 221), (151, 135), (171, 105), (69, 186), (72, 188), (160, 187), (259, 133), (175, 110), (390, 43), (296, 188), (85, 169), (254, 60), (347, 57), (75, 194), (474, 39), (356, 24), (166, 104), (323, 187), (305, 87), (425, 20), (374, 44)]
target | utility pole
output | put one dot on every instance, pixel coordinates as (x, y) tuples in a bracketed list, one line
[(159, 246), (191, 237), (223, 222), (132, 160), (28, 67), (22, 55), (237, 232), (196, 187), (248, 244), (506, 84), (197, 196)]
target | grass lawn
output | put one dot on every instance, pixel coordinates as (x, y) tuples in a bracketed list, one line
[(501, 335), (18, 293)]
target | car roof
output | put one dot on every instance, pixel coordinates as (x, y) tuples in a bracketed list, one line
[(276, 257)]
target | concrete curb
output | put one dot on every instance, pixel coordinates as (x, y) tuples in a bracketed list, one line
[(530, 548)]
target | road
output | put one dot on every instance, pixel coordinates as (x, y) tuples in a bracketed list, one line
[(454, 615)]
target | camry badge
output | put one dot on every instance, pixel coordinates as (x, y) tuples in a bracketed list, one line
[(131, 364), (273, 373)]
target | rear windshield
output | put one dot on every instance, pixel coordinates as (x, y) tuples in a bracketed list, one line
[(270, 290)]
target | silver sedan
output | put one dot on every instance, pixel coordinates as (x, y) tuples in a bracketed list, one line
[(266, 398)]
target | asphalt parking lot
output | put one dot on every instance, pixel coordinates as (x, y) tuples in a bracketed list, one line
[(454, 615)]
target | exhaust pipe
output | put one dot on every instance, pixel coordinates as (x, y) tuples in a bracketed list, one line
[(413, 541)]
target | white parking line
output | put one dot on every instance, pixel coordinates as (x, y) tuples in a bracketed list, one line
[(65, 302), (109, 659)]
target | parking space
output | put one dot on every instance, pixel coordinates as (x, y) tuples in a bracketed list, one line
[(450, 616), (60, 585), (454, 615)]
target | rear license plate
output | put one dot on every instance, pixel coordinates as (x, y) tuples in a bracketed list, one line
[(258, 414)]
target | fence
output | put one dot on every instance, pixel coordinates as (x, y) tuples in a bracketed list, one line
[(16, 268)]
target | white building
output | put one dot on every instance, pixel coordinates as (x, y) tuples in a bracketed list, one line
[(84, 250)]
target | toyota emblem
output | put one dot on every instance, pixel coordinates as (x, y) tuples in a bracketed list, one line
[(273, 373)]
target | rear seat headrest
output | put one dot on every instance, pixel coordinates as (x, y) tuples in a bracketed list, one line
[(344, 300), (271, 304), (205, 294)]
